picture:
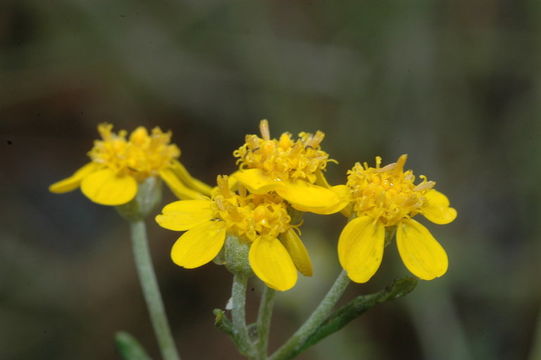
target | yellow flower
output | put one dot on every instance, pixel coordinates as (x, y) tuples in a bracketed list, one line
[(292, 168), (118, 164), (261, 220), (387, 197)]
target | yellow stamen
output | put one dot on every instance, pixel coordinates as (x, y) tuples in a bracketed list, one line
[(141, 156), (264, 129), (223, 186), (387, 193), (284, 159), (251, 216)]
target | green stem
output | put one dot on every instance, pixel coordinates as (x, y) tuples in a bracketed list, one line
[(536, 348), (319, 315), (238, 314), (151, 292), (355, 308), (263, 322)]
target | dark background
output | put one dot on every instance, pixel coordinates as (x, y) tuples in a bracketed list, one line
[(453, 83)]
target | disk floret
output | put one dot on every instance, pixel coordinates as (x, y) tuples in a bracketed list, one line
[(250, 216), (388, 194), (284, 158), (141, 156)]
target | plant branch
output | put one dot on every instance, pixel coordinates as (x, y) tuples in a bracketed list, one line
[(263, 322), (151, 291), (354, 309), (319, 315), (238, 314)]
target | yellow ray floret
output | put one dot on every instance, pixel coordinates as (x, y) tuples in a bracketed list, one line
[(118, 164), (261, 220), (293, 168), (385, 197)]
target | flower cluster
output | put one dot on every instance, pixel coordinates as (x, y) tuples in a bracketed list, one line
[(118, 164), (276, 177), (261, 220)]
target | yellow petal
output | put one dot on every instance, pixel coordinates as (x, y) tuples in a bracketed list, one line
[(199, 245), (343, 193), (106, 188), (256, 181), (308, 197), (420, 252), (185, 214), (189, 180), (272, 264), (178, 188), (297, 251), (360, 248), (71, 183), (437, 208)]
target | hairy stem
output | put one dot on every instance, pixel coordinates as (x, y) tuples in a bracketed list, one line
[(151, 292), (238, 314), (319, 315), (263, 322)]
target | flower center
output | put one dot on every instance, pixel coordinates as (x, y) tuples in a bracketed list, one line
[(387, 193), (250, 216), (284, 158), (141, 156)]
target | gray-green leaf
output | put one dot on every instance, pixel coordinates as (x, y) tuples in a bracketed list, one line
[(129, 347)]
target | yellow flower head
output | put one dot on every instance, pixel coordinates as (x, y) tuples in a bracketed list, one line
[(119, 163), (261, 220), (292, 168), (140, 156), (285, 158), (386, 197)]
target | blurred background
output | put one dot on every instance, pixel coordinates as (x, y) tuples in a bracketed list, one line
[(454, 84)]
